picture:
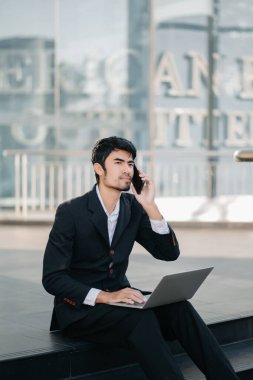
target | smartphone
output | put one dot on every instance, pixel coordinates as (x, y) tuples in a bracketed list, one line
[(137, 181)]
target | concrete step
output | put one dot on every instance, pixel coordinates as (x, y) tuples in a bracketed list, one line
[(240, 355), (58, 357)]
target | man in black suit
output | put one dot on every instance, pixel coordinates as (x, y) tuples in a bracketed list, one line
[(85, 265)]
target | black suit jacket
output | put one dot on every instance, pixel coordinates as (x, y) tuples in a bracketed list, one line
[(79, 257)]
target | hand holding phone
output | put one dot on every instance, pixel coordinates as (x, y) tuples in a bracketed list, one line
[(137, 181)]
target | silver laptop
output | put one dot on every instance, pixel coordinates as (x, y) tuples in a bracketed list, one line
[(172, 288)]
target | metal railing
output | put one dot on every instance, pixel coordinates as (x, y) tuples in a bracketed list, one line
[(244, 155), (43, 179)]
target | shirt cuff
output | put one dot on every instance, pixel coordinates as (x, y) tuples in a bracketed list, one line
[(90, 299), (160, 226)]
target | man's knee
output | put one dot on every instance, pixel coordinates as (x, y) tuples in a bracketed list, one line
[(146, 320), (182, 307), (148, 317)]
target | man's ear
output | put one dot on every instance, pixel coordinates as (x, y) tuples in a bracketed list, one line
[(98, 168)]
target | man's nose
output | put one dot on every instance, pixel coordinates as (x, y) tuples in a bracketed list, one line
[(126, 169)]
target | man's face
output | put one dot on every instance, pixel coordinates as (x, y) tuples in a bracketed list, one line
[(119, 170)]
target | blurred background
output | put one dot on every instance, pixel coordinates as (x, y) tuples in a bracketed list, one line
[(175, 77)]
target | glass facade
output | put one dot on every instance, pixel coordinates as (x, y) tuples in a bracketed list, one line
[(169, 75), (202, 44)]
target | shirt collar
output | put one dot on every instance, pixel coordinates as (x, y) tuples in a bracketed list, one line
[(116, 209)]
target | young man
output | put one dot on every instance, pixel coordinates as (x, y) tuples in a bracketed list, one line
[(85, 265)]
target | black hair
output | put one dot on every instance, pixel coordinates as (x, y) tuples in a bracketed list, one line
[(105, 146)]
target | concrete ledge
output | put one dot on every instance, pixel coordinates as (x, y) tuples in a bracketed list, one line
[(175, 223), (223, 211)]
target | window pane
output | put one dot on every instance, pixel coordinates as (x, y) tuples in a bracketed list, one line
[(26, 80), (235, 48), (103, 71), (181, 73)]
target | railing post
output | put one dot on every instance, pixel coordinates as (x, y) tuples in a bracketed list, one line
[(211, 177), (60, 183), (51, 186), (24, 205), (33, 187), (42, 187), (69, 181), (17, 184)]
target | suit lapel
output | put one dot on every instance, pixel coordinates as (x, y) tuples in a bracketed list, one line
[(97, 215), (123, 219)]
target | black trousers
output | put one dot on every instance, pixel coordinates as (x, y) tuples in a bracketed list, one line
[(146, 332)]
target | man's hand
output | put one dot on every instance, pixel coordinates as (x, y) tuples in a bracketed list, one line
[(147, 198), (126, 295), (147, 195)]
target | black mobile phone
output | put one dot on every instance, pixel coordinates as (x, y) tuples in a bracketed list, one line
[(137, 181)]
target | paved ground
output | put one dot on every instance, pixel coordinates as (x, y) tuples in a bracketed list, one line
[(227, 293)]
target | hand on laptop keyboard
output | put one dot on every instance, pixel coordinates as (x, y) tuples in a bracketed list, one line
[(126, 295), (136, 303)]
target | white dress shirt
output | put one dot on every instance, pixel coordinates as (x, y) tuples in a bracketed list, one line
[(158, 226)]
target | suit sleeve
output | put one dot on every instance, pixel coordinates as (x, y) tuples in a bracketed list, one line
[(161, 246), (56, 278)]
